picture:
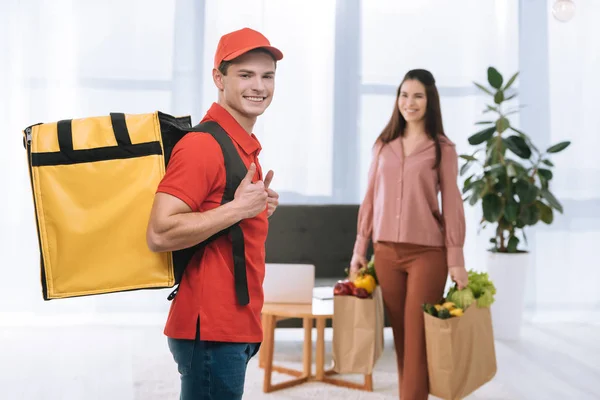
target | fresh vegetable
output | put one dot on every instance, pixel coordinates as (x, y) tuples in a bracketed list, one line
[(462, 298), (480, 286), (480, 290), (371, 269), (444, 313), (449, 305), (445, 310), (343, 288), (361, 293), (366, 282), (430, 309), (486, 299), (479, 282), (362, 285), (457, 312)]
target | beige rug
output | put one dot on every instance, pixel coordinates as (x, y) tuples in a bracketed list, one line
[(385, 379), (289, 354)]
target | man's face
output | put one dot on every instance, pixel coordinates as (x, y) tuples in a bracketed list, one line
[(249, 84)]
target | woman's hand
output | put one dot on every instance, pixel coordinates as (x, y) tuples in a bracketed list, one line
[(460, 276), (357, 263)]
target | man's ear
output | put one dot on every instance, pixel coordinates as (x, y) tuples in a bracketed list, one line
[(218, 78)]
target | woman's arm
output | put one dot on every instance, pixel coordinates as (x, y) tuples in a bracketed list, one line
[(452, 207), (365, 212)]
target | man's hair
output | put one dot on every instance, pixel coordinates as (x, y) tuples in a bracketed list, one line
[(224, 66)]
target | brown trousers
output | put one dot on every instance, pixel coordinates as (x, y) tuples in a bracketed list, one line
[(410, 275)]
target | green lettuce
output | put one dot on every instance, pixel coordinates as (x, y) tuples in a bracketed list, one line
[(479, 287)]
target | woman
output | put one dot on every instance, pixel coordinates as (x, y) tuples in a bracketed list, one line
[(416, 245)]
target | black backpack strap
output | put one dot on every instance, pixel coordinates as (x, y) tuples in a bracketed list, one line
[(235, 171)]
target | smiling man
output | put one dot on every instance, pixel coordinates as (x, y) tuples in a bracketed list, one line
[(211, 333)]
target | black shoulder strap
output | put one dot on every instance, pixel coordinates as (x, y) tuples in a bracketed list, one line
[(235, 171)]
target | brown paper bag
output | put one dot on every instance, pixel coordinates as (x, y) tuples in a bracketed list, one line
[(357, 333), (461, 356)]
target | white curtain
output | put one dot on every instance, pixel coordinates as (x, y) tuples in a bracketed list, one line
[(567, 270), (76, 58), (296, 130), (73, 58)]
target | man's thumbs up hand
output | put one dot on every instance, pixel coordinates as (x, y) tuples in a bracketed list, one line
[(251, 197), (273, 197)]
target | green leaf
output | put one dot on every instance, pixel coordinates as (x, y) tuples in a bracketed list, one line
[(495, 151), (548, 163), (467, 157), (468, 184), (511, 80), (546, 214), (517, 131), (511, 210), (558, 147), (526, 191), (465, 168), (499, 97), (512, 96), (519, 168), (483, 88), (501, 185), (517, 145), (495, 169), (546, 173), (513, 242), (484, 122), (473, 199), (511, 170), (530, 215), (502, 124), (477, 188), (494, 78), (491, 108), (482, 136), (543, 181), (492, 207), (546, 194)]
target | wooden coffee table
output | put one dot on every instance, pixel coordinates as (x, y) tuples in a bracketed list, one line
[(319, 311)]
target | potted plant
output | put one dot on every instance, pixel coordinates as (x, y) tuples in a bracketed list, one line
[(511, 181)]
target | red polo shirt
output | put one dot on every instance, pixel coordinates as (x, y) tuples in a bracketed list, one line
[(196, 175)]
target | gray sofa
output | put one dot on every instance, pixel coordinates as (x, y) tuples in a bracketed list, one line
[(322, 235)]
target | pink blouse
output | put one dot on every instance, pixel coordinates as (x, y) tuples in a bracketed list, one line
[(401, 202)]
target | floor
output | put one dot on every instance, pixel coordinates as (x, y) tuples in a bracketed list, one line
[(108, 361)]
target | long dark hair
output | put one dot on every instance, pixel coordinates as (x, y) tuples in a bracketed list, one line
[(433, 115)]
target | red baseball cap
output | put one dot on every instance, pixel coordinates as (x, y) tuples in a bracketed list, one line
[(236, 43)]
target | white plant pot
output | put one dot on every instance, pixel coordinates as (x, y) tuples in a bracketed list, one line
[(508, 272)]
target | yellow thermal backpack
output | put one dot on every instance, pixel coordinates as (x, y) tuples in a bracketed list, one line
[(93, 182)]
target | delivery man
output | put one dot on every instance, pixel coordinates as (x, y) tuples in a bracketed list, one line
[(210, 334)]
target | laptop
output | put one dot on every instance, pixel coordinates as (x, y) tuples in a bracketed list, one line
[(289, 283)]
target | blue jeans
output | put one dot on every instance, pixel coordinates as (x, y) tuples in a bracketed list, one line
[(211, 370)]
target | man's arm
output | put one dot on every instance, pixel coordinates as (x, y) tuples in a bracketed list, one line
[(173, 225)]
